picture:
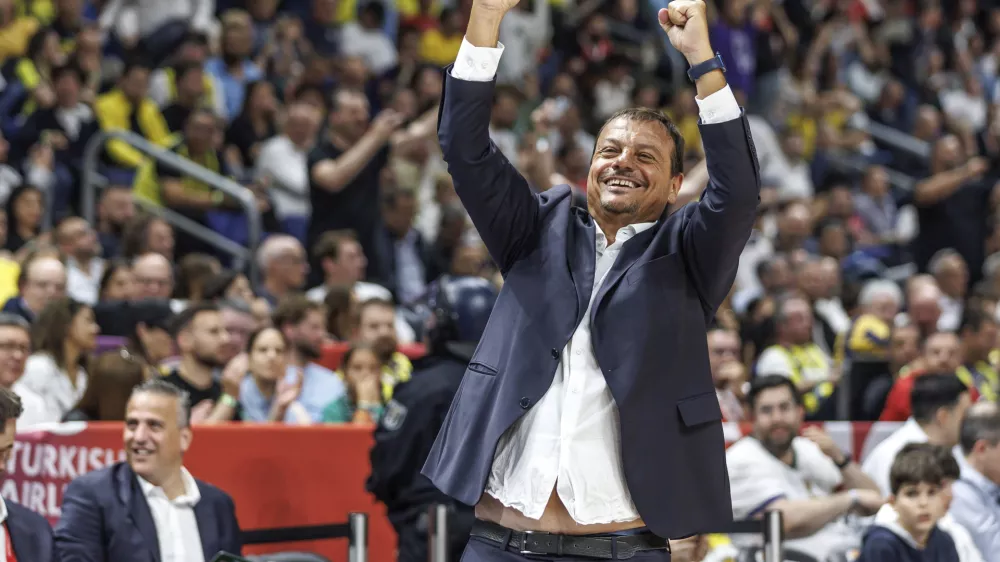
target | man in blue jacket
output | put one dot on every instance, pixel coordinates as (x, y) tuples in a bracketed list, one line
[(587, 423), (26, 535), (149, 508)]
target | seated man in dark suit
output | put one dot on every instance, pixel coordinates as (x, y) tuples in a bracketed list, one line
[(26, 534), (148, 508)]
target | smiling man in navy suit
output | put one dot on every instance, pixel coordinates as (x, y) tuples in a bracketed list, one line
[(149, 508), (587, 423), (25, 535)]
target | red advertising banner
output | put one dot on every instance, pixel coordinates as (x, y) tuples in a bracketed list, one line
[(278, 476)]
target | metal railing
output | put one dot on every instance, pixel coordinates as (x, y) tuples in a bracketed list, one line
[(355, 531), (898, 139), (243, 256)]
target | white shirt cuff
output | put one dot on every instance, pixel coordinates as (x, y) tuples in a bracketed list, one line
[(718, 107), (477, 64)]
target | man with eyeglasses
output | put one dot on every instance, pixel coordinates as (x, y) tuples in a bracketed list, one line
[(15, 347), (42, 280)]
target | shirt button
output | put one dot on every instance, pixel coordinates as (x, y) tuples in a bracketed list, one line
[(578, 352), (525, 402), (555, 353)]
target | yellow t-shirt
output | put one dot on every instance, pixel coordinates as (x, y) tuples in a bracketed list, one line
[(437, 49), (9, 271)]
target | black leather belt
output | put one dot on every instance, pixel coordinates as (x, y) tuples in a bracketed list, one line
[(608, 547)]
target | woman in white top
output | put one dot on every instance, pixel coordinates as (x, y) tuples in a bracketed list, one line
[(62, 337)]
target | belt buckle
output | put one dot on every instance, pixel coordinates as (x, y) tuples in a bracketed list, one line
[(524, 544)]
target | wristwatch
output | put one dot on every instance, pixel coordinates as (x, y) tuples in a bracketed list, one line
[(847, 460), (703, 68), (855, 500)]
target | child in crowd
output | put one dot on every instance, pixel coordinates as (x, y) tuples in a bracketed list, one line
[(906, 529), (363, 401)]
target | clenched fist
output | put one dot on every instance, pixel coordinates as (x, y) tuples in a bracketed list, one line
[(686, 24)]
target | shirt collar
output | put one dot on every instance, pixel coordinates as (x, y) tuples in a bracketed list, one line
[(3, 510), (976, 478), (623, 235), (190, 497)]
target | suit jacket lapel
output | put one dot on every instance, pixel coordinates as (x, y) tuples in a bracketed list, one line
[(205, 516), (631, 250), (582, 254), (138, 509), (20, 538)]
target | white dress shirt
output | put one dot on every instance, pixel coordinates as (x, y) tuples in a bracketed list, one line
[(571, 440), (176, 525), (43, 377), (3, 536), (878, 463)]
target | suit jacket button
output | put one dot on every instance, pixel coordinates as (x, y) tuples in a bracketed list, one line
[(525, 402), (555, 353)]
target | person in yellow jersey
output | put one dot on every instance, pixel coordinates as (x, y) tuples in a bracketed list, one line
[(796, 357), (377, 328)]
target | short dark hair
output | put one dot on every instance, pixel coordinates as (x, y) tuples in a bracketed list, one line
[(981, 423), (70, 68), (162, 387), (946, 460), (973, 319), (914, 465), (184, 319), (293, 310), (10, 406), (183, 67), (764, 382), (934, 391), (135, 61), (328, 245), (643, 114)]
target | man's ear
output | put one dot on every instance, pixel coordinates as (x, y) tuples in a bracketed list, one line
[(187, 436)]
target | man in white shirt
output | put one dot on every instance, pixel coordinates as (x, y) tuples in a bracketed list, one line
[(593, 368), (148, 507), (938, 403), (77, 240), (24, 534), (15, 347), (774, 468)]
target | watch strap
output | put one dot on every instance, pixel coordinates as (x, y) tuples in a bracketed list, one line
[(703, 68), (847, 460)]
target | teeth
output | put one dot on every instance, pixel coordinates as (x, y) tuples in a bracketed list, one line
[(622, 183)]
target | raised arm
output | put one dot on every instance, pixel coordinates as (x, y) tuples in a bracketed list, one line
[(718, 227), (496, 196)]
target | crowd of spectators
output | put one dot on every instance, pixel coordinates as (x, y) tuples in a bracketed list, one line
[(872, 275)]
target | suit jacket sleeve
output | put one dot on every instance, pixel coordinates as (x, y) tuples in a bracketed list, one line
[(496, 196), (80, 529), (234, 537), (720, 224)]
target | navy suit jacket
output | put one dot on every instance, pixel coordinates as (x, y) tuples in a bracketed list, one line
[(648, 321), (105, 518), (30, 533)]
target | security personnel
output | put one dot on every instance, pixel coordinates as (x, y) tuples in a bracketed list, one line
[(460, 308)]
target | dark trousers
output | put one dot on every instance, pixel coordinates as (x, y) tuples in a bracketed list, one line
[(479, 550)]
